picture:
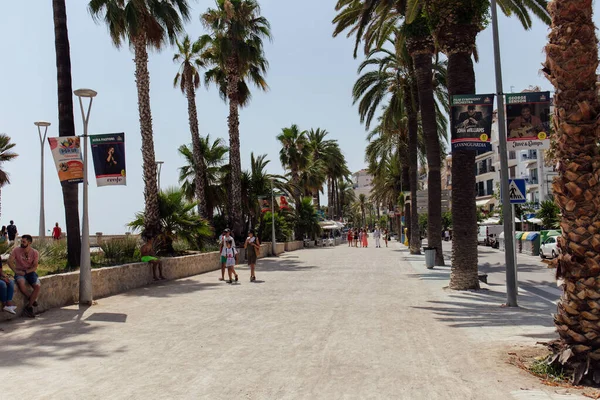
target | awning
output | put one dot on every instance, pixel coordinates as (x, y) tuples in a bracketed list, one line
[(536, 221), (481, 203), (490, 221)]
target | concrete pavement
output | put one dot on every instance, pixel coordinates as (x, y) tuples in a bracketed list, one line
[(324, 323)]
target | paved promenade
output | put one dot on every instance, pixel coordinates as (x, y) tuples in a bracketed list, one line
[(333, 323)]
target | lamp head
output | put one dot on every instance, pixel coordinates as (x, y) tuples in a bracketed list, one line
[(158, 162), (85, 93), (41, 123)]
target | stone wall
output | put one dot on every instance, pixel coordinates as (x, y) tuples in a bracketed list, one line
[(63, 289), (293, 246)]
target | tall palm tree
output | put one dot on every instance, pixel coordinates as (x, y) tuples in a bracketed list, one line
[(361, 205), (5, 155), (236, 38), (213, 162), (144, 24), (66, 126), (571, 65), (294, 153), (320, 149), (188, 78)]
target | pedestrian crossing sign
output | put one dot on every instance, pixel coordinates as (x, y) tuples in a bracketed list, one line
[(516, 191)]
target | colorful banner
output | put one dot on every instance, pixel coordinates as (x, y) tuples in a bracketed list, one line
[(108, 153), (471, 120), (265, 203), (282, 202), (66, 152), (528, 120)]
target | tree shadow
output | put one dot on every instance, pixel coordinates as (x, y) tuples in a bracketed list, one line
[(61, 334), (281, 264), (166, 289)]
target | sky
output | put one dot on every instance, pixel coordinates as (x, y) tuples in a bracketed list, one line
[(310, 77)]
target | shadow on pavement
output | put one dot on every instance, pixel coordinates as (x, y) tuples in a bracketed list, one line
[(281, 264), (63, 337), (171, 288)]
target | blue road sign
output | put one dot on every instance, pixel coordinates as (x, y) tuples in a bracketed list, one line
[(517, 191)]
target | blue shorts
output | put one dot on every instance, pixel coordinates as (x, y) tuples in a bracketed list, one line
[(31, 278)]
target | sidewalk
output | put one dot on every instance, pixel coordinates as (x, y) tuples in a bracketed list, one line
[(324, 323)]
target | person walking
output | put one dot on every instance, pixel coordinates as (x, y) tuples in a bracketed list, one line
[(230, 254), (223, 240), (350, 237), (377, 236), (12, 231), (3, 235), (356, 237), (360, 238), (447, 235), (56, 232), (385, 236), (365, 238), (252, 246)]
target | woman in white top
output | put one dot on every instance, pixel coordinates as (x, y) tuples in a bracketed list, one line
[(230, 254)]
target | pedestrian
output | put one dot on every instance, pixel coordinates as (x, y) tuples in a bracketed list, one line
[(23, 261), (149, 256), (252, 246), (12, 231), (447, 235), (385, 237), (365, 238), (377, 236), (350, 238), (360, 238), (225, 238), (3, 235), (7, 289), (56, 232), (230, 254)]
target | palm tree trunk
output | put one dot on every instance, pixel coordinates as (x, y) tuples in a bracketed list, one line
[(464, 274), (196, 147), (413, 132), (330, 197), (142, 77), (424, 74), (571, 64), (235, 160), (66, 127)]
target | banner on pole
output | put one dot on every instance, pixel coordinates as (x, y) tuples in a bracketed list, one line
[(528, 120), (282, 202), (265, 203), (108, 153), (471, 120), (66, 152)]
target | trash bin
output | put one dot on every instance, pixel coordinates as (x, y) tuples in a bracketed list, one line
[(429, 257)]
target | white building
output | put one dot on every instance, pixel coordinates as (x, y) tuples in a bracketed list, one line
[(362, 183)]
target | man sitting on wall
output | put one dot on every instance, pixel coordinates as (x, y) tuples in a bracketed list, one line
[(149, 256), (23, 261)]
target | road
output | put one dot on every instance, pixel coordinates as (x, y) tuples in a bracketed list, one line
[(324, 323)]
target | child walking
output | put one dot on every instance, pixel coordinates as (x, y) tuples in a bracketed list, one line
[(230, 254)]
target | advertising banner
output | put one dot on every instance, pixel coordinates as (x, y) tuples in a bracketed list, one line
[(108, 153), (282, 202), (471, 120), (66, 152), (265, 203), (528, 120)]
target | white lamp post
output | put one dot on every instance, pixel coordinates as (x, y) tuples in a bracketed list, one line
[(40, 125), (85, 268), (159, 165)]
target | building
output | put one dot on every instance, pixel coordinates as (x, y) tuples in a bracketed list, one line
[(362, 183)]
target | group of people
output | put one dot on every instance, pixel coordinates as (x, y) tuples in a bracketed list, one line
[(8, 234), (359, 237), (23, 261), (229, 255)]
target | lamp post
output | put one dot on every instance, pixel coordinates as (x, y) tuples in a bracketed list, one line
[(159, 165), (85, 268), (274, 242), (40, 125)]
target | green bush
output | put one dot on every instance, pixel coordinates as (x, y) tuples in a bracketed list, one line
[(119, 251)]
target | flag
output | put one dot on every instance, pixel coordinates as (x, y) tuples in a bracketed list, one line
[(471, 121), (528, 120), (108, 153), (66, 152)]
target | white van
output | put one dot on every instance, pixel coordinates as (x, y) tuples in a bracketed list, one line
[(488, 235)]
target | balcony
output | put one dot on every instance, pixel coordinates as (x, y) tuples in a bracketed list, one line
[(485, 169), (531, 180)]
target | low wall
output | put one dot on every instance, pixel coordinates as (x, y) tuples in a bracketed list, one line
[(63, 289), (293, 246)]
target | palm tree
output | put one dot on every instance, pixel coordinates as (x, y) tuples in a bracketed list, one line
[(307, 220), (571, 64), (361, 205), (144, 24), (178, 221), (320, 149), (236, 47), (294, 153), (188, 78), (5, 155), (66, 126)]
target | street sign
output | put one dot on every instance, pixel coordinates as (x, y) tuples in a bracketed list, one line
[(516, 191)]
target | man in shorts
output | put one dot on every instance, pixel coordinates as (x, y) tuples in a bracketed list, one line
[(149, 256), (225, 238), (23, 261), (12, 231)]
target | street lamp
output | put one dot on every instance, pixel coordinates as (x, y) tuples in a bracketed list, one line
[(40, 125), (159, 167), (85, 268)]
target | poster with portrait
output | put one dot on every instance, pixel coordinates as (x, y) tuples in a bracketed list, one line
[(66, 152), (528, 120), (282, 202), (471, 121), (108, 153), (264, 202)]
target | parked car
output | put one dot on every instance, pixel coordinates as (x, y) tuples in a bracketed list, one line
[(549, 248)]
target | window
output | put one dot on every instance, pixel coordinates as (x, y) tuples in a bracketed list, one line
[(489, 187), (512, 155), (512, 172), (480, 189)]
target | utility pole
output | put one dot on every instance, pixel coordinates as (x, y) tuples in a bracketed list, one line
[(273, 241), (509, 248)]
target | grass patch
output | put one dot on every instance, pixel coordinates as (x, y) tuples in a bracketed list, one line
[(549, 372)]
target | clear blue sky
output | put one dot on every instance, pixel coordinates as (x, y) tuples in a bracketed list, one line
[(311, 75)]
